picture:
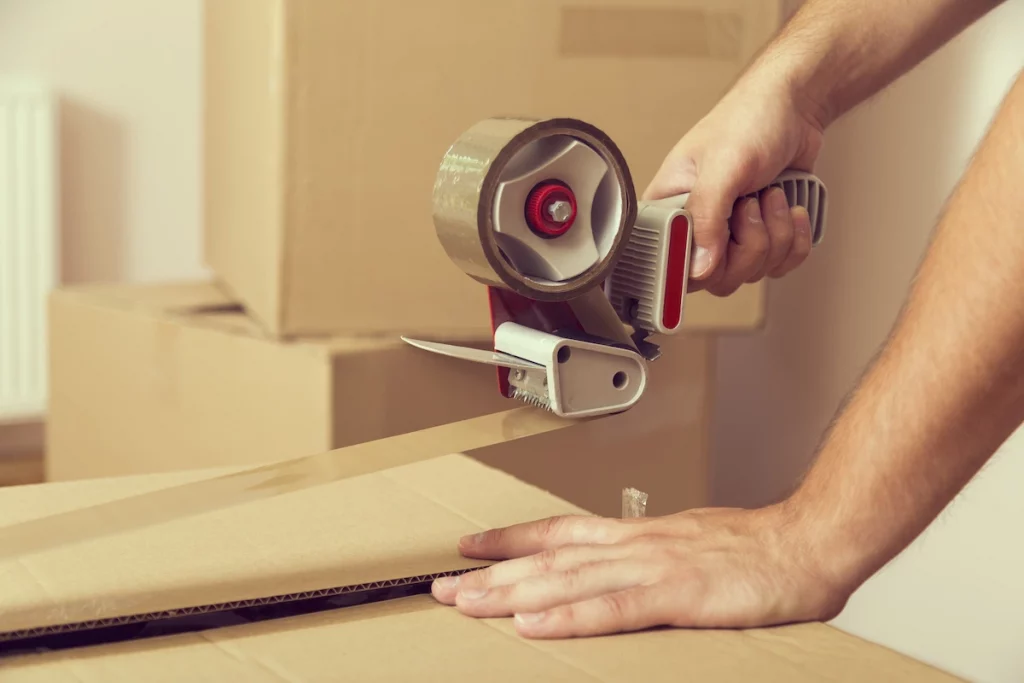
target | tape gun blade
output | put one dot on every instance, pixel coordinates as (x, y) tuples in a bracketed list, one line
[(497, 358)]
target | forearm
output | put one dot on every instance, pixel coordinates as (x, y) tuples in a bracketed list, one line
[(948, 387), (837, 53)]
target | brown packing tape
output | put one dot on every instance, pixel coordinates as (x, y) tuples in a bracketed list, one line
[(466, 187), (634, 503), (271, 480), (596, 315), (650, 32)]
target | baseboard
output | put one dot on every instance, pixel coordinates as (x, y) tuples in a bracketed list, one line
[(22, 436), (22, 444), (18, 470)]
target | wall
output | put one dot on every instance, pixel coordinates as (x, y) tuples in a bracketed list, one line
[(954, 597), (128, 72)]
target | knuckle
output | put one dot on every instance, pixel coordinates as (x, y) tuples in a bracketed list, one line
[(571, 580), (617, 606), (757, 241), (480, 577), (494, 537), (551, 527), (546, 561)]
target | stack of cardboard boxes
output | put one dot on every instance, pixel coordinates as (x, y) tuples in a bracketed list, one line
[(325, 122)]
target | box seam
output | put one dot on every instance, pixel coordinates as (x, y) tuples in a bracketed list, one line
[(247, 659), (547, 653), (422, 494)]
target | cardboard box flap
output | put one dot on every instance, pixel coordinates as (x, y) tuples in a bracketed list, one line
[(382, 524), (205, 304), (332, 520), (170, 297)]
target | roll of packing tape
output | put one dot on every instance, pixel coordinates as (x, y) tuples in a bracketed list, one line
[(540, 207)]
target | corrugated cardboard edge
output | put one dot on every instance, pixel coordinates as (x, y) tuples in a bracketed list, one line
[(190, 610)]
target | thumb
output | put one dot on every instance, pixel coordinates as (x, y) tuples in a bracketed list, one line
[(718, 187)]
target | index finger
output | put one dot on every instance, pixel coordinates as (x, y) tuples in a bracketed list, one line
[(530, 538)]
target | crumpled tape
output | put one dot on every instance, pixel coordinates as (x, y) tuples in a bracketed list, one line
[(634, 503)]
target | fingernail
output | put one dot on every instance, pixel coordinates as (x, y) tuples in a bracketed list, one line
[(701, 261), (753, 211), (447, 582), (475, 539), (526, 619), (777, 201), (803, 225), (473, 593)]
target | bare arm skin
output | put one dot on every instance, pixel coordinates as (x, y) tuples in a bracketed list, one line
[(948, 388), (945, 391), (838, 53), (831, 55)]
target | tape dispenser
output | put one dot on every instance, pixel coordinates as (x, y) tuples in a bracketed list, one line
[(582, 278)]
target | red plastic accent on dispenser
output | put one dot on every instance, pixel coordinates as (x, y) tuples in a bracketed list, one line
[(675, 272), (538, 202)]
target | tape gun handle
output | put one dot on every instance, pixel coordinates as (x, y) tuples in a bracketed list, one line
[(801, 188)]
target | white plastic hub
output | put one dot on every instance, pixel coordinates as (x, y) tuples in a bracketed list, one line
[(565, 159), (584, 379)]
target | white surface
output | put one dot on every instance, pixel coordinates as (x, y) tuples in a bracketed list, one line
[(956, 598), (28, 244), (128, 72), (557, 259)]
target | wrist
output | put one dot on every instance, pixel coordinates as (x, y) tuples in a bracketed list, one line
[(814, 540), (784, 74)]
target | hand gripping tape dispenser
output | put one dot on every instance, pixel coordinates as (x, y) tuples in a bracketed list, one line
[(582, 279)]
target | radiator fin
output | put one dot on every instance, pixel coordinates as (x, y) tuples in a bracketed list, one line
[(28, 245)]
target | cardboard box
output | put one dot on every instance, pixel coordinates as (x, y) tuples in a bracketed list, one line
[(155, 378), (152, 378), (355, 539), (326, 120)]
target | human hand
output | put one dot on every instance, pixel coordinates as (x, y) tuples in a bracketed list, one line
[(759, 129), (585, 576)]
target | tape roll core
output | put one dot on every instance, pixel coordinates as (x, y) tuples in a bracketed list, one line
[(467, 186)]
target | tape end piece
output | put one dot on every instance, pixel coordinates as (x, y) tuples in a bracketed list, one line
[(634, 503)]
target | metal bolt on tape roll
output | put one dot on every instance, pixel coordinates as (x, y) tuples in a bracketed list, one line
[(542, 207)]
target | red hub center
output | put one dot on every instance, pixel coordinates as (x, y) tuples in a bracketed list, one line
[(550, 208)]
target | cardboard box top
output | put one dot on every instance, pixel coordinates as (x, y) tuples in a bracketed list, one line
[(205, 304), (399, 522), (318, 209)]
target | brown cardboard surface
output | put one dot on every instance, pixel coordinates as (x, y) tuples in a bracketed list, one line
[(149, 378), (169, 377), (382, 524), (326, 121)]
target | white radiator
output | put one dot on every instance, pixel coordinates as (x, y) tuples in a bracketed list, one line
[(28, 244)]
